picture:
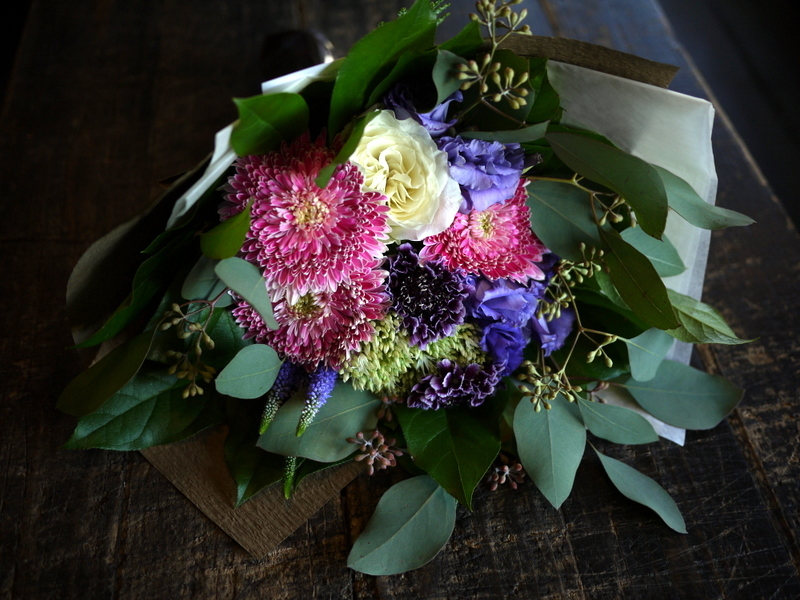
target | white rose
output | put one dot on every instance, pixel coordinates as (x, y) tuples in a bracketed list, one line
[(400, 160)]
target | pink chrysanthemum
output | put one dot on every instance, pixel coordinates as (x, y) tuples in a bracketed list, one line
[(321, 326), (303, 237), (496, 242)]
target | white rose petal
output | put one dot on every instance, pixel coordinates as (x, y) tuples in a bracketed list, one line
[(400, 160)]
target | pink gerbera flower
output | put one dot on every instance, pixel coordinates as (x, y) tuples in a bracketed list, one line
[(303, 237), (321, 326), (496, 242)]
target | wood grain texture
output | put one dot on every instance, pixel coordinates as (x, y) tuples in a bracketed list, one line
[(109, 97)]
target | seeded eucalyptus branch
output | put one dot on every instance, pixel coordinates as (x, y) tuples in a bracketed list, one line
[(495, 85)]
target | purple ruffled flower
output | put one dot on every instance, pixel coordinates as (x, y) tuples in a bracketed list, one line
[(505, 344), (553, 334), (428, 298), (399, 101), (453, 385), (488, 172), (503, 300)]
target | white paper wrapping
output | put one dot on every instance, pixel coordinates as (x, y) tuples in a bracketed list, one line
[(664, 128)]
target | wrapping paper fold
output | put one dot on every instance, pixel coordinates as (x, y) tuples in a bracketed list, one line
[(619, 95)]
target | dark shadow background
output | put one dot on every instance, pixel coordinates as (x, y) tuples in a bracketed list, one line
[(745, 49)]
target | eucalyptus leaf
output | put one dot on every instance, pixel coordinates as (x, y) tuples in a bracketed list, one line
[(246, 280), (375, 53), (346, 412), (637, 282), (455, 446), (616, 424), (632, 178), (607, 287), (546, 103), (444, 74), (267, 120), (689, 205), (646, 351), (413, 521), (148, 411), (202, 283), (226, 239), (561, 216), (662, 253), (685, 397), (512, 136), (700, 323), (251, 373), (227, 336), (92, 388), (642, 489), (550, 445)]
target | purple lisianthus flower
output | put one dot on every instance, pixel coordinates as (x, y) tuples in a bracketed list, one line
[(505, 344), (488, 172), (428, 298), (552, 334), (453, 385), (399, 101), (503, 300)]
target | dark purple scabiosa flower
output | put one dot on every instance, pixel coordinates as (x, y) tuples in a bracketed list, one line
[(488, 172), (400, 102), (552, 334), (428, 298), (505, 344), (503, 300), (320, 385), (452, 385)]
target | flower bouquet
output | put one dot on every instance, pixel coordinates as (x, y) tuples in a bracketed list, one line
[(455, 259)]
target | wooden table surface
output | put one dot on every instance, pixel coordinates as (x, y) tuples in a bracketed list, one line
[(108, 97)]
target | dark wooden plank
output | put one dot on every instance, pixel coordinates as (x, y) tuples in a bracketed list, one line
[(107, 99)]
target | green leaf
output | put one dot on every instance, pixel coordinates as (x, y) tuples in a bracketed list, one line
[(455, 446), (637, 282), (689, 205), (265, 121), (444, 74), (630, 177), (642, 489), (346, 412), (700, 323), (411, 65), (546, 102), (202, 283), (152, 277), (512, 136), (561, 216), (346, 151), (662, 253), (227, 336), (306, 467), (609, 291), (550, 445), (616, 423), (251, 373), (411, 524), (246, 280), (646, 351), (375, 54), (226, 239), (92, 388), (252, 468), (685, 397), (466, 42), (150, 410)]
